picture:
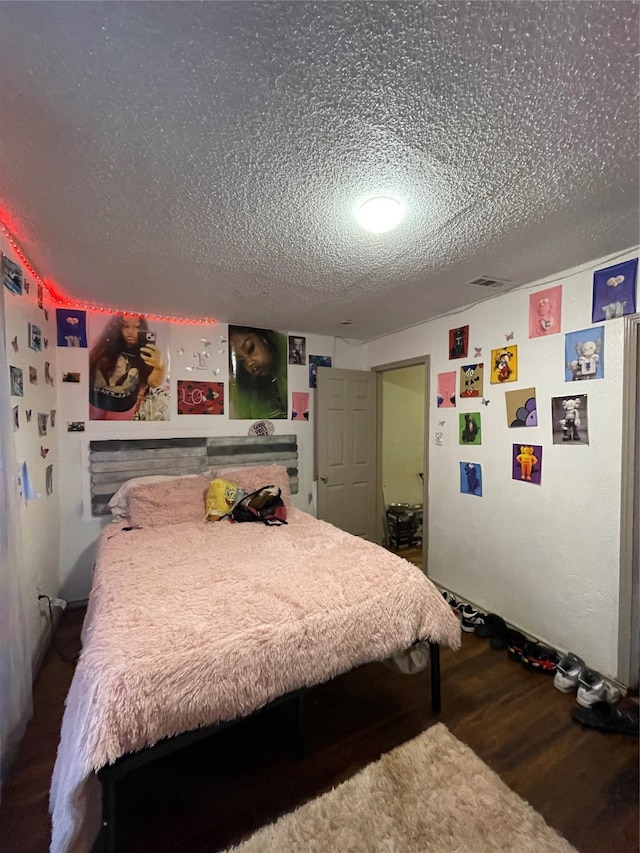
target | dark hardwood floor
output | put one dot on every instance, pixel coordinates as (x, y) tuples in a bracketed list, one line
[(583, 782)]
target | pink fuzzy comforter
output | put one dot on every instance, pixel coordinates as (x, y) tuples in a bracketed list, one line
[(195, 623)]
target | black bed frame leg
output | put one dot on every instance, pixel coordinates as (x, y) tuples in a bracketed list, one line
[(300, 746), (108, 813), (436, 702)]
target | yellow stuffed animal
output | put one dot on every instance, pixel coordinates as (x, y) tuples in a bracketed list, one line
[(221, 498)]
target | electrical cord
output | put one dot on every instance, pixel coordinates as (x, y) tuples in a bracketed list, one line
[(61, 654)]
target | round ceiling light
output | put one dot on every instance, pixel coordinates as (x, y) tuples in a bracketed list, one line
[(380, 215)]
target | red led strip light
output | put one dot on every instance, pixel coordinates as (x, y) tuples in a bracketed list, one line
[(70, 303)]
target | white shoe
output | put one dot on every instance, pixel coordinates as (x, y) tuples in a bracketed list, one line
[(568, 673), (595, 688)]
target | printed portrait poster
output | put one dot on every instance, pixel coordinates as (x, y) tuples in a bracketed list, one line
[(258, 365), (584, 354), (504, 364), (316, 361), (527, 463), (522, 409), (471, 380), (570, 420), (459, 342), (469, 428), (446, 390), (471, 478), (545, 312), (200, 398), (71, 327), (128, 368), (614, 291)]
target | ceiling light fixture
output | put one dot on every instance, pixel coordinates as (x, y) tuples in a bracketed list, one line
[(380, 214)]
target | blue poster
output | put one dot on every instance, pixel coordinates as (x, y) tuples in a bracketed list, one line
[(72, 327)]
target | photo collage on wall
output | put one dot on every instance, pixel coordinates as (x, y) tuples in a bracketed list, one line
[(614, 297)]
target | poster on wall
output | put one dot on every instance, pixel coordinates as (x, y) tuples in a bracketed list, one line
[(522, 409), (258, 363), (584, 354), (471, 478), (12, 276), (527, 463), (200, 398), (545, 312), (17, 381), (504, 364), (570, 420), (128, 369), (446, 390), (459, 342), (299, 405), (471, 380), (614, 291), (469, 428), (316, 361), (71, 327), (297, 349)]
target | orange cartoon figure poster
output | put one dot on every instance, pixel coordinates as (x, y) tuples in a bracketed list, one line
[(504, 365), (527, 463)]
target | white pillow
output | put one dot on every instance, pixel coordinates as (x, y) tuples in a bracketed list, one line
[(119, 503)]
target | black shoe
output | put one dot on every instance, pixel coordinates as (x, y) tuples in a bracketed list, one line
[(609, 718)]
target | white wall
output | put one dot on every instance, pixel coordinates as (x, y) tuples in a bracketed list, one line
[(40, 517), (78, 530), (544, 557)]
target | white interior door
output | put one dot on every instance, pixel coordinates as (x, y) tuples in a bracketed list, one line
[(346, 465)]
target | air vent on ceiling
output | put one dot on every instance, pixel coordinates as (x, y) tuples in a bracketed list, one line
[(486, 281)]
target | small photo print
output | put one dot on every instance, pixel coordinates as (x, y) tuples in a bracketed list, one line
[(75, 426), (49, 480), (200, 398), (16, 417), (614, 291), (71, 327), (504, 365), (316, 361), (71, 377), (471, 380), (522, 409), (584, 354), (459, 342), (297, 350), (12, 276), (545, 312), (446, 390), (471, 479), (527, 463), (35, 337), (53, 417), (570, 420), (43, 420), (299, 405), (33, 376), (17, 381), (469, 429)]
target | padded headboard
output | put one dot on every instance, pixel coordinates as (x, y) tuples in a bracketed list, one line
[(111, 462)]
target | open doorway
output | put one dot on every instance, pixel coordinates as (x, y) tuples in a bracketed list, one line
[(402, 395)]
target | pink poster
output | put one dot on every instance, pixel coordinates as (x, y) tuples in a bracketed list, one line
[(446, 390), (299, 405), (545, 312)]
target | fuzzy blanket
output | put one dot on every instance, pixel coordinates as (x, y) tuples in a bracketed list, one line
[(194, 623)]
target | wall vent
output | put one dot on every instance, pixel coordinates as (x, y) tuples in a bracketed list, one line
[(486, 281)]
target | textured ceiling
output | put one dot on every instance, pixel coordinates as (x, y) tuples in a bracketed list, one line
[(205, 158)]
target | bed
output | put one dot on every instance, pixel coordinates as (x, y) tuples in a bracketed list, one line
[(193, 625)]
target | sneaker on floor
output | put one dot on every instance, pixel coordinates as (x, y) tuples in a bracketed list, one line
[(568, 673), (610, 718), (594, 687), (471, 618)]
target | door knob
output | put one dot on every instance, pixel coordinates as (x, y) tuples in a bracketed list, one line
[(324, 478)]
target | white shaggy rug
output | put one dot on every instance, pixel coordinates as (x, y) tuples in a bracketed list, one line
[(430, 794)]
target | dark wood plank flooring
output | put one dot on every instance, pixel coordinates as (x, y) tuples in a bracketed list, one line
[(583, 782)]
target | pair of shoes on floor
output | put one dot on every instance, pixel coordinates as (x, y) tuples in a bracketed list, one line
[(471, 618), (594, 688), (609, 718), (537, 657), (568, 671)]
